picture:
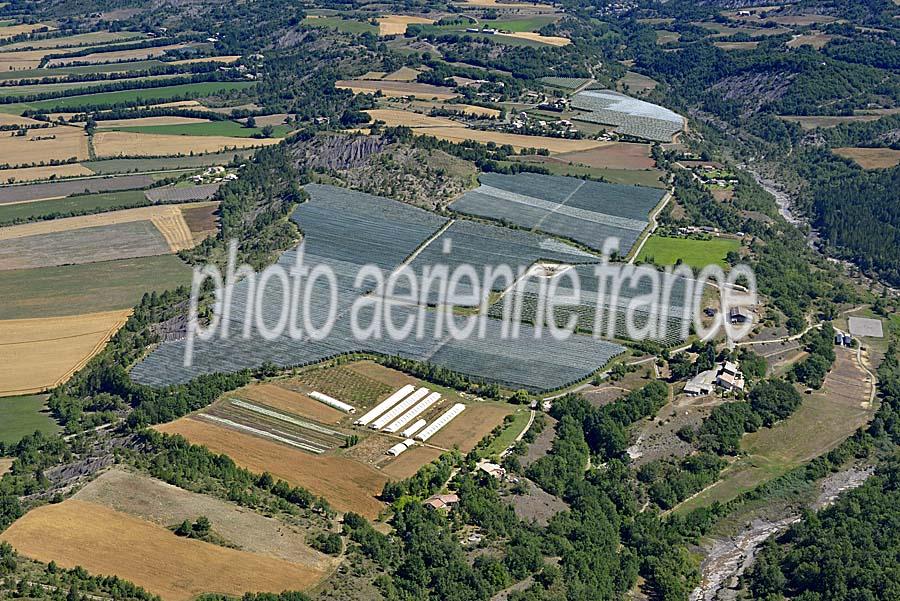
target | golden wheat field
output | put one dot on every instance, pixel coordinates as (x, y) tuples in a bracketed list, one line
[(401, 74), (37, 354), (26, 59), (104, 541), (871, 158), (14, 30), (30, 174), (471, 109), (397, 24), (59, 143), (395, 117), (168, 219), (118, 144), (9, 119)]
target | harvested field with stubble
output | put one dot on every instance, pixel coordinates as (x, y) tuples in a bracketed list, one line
[(472, 425), (13, 30), (815, 39), (619, 155), (407, 464), (395, 117), (120, 144), (104, 541), (27, 59), (278, 397), (165, 505), (5, 464), (397, 24), (60, 143), (31, 174), (37, 354), (167, 220), (871, 158), (532, 36), (395, 89), (348, 485), (82, 245), (118, 55)]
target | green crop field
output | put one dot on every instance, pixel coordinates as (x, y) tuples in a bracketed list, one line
[(49, 88), (88, 288), (211, 128), (81, 70), (516, 25), (165, 93), (87, 203), (695, 253), (22, 415), (345, 25)]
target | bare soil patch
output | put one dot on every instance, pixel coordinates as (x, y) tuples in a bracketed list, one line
[(470, 426), (621, 155), (347, 484), (201, 220), (409, 462), (5, 464), (536, 505), (282, 398)]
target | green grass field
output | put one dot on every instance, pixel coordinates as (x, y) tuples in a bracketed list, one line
[(516, 25), (92, 38), (508, 436), (164, 93), (628, 177), (695, 253), (88, 288), (50, 88), (344, 25), (22, 415), (77, 204), (211, 128)]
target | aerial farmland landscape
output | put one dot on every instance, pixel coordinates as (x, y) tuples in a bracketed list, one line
[(449, 300)]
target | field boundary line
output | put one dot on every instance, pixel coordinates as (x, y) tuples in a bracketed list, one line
[(651, 227)]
